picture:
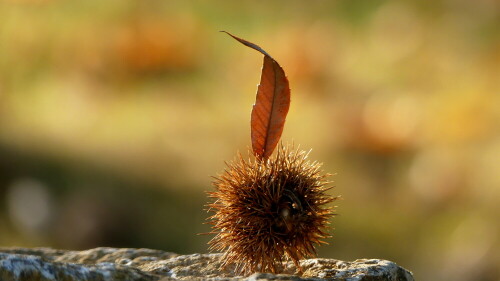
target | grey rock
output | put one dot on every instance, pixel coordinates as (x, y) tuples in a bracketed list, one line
[(103, 264)]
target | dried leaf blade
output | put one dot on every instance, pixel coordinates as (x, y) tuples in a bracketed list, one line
[(271, 104)]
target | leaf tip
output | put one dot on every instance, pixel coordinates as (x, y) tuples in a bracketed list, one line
[(228, 33)]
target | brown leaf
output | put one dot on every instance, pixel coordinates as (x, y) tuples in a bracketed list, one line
[(271, 105)]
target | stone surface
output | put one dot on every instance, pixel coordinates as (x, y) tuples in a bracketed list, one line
[(44, 264)]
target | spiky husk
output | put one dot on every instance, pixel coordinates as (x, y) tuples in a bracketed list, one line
[(269, 211)]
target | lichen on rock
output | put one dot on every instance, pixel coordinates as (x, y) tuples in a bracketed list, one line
[(103, 264)]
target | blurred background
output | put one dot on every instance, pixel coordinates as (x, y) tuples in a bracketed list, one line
[(114, 115)]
